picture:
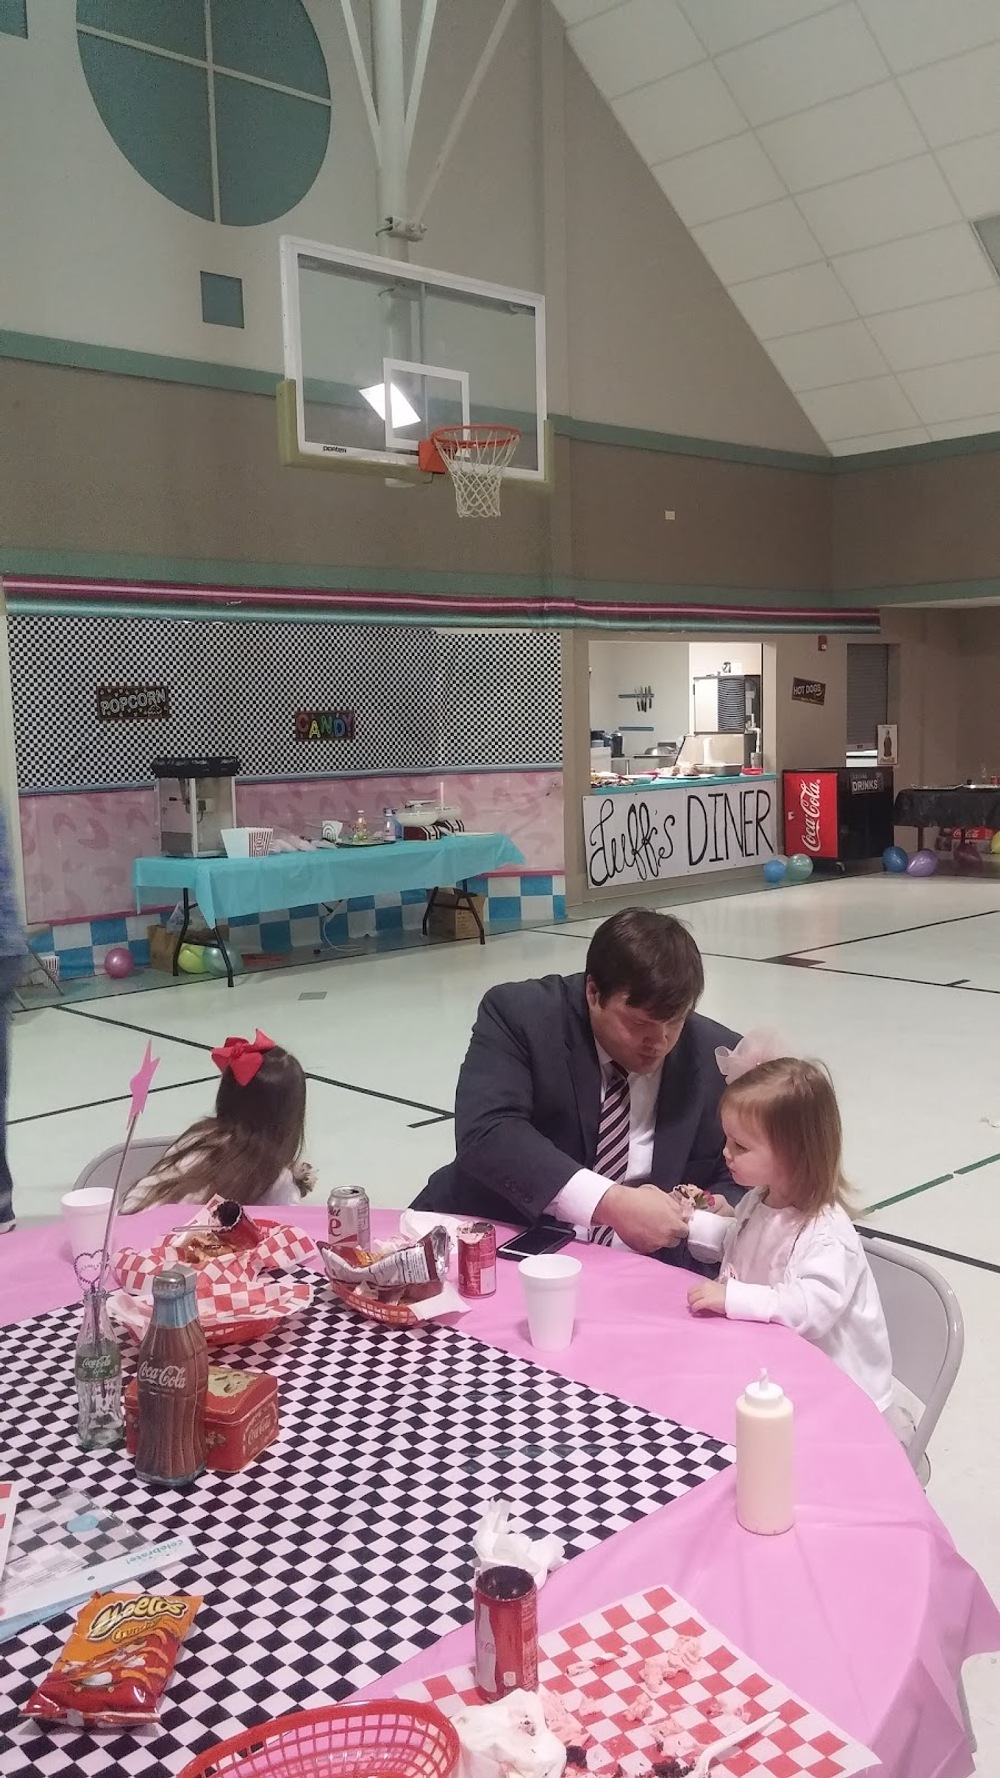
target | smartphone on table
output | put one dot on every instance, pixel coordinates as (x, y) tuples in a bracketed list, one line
[(542, 1237)]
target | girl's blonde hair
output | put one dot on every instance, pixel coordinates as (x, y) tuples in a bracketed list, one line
[(792, 1104)]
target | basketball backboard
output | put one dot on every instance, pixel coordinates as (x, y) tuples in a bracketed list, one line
[(448, 351)]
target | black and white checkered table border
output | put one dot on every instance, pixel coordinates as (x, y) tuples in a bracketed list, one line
[(346, 1547)]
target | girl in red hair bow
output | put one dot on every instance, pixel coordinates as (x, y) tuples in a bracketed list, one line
[(250, 1149)]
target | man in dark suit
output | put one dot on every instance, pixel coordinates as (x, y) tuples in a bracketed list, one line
[(590, 1097)]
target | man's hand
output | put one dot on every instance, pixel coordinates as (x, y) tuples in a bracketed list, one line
[(708, 1298), (644, 1217)]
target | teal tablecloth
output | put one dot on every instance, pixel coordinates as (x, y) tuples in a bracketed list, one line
[(225, 887)]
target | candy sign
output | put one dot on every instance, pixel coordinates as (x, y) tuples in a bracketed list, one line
[(654, 834)]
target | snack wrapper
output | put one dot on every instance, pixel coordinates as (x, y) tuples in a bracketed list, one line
[(407, 1272), (117, 1661), (237, 1297)]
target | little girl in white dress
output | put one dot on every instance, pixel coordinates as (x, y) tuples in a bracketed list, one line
[(790, 1252)]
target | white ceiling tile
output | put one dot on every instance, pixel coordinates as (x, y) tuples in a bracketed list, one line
[(912, 33), (575, 10), (939, 332), (967, 428), (637, 43), (973, 172), (722, 24), (821, 58), (955, 391), (771, 239), (944, 262), (673, 116), (720, 180), (841, 354), (880, 441), (906, 199), (846, 136), (852, 409), (957, 99), (790, 302)]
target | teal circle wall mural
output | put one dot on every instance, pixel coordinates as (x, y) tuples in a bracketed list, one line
[(223, 106)]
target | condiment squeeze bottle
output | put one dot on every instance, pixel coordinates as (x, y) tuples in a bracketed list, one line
[(765, 1500)]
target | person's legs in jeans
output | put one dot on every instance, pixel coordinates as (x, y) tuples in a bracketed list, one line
[(11, 969)]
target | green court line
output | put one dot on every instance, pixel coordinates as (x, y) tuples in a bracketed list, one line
[(915, 1190)]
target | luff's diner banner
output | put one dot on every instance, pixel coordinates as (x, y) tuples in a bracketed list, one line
[(651, 835)]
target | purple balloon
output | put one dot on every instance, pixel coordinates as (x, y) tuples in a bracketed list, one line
[(118, 962), (922, 864)]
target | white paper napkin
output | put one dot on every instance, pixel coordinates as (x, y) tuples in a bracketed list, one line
[(497, 1542), (510, 1738)]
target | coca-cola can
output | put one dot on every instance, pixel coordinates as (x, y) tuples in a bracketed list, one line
[(477, 1259), (506, 1602), (349, 1219)]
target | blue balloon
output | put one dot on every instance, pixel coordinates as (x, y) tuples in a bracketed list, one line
[(895, 860), (774, 871)]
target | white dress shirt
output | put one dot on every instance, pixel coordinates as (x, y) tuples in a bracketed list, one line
[(581, 1195), (809, 1273)]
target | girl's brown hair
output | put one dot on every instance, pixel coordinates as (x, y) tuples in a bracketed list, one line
[(792, 1104), (257, 1132)]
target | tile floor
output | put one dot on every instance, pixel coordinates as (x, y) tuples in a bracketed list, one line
[(892, 982)]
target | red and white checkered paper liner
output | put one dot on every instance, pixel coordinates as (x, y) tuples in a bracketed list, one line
[(231, 1290), (702, 1702)]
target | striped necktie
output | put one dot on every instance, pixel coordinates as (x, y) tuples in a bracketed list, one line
[(611, 1159)]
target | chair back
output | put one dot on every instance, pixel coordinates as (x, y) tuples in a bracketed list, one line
[(143, 1154), (926, 1330)]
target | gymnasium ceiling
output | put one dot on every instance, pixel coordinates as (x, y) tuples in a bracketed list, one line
[(830, 160)]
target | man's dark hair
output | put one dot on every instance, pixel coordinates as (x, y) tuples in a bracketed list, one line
[(649, 957)]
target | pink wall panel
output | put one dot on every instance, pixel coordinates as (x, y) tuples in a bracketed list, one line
[(79, 847)]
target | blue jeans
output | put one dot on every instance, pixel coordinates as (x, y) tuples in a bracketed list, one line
[(11, 971)]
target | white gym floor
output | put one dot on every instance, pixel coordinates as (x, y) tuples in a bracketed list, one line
[(894, 983)]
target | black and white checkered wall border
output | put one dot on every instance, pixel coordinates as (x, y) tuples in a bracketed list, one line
[(422, 697)]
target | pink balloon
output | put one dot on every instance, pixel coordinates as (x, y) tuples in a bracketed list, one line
[(118, 962)]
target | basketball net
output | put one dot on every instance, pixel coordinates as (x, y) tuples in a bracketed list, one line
[(476, 458)]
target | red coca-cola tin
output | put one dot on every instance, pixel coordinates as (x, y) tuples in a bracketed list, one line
[(506, 1601), (477, 1259), (241, 1417)]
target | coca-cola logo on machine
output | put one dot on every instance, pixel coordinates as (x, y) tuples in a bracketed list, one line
[(811, 806)]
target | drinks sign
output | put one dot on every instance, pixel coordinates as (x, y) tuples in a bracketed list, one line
[(654, 834)]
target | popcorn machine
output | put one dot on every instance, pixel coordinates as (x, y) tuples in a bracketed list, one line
[(197, 799)]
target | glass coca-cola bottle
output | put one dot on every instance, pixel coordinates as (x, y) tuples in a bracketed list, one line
[(98, 1368), (172, 1380)]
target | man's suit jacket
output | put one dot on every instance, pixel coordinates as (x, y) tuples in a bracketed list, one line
[(528, 1102)]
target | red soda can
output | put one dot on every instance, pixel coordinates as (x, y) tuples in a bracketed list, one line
[(506, 1601), (477, 1259)]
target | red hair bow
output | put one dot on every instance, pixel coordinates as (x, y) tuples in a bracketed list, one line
[(242, 1056)]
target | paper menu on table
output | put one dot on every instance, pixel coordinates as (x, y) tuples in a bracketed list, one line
[(647, 1679), (66, 1546), (8, 1507)]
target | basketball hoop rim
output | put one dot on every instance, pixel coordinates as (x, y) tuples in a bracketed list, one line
[(447, 439)]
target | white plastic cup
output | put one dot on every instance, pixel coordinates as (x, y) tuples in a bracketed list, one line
[(85, 1216), (550, 1283)]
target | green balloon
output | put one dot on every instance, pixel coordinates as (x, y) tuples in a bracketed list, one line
[(191, 959), (800, 868), (215, 963)]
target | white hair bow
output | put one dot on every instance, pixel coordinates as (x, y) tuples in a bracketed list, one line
[(753, 1049)]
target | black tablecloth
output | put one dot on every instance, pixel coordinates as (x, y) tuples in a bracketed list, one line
[(955, 807)]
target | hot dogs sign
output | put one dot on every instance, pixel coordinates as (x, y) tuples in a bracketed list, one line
[(649, 835)]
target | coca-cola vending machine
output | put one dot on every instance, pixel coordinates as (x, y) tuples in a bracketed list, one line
[(841, 814)]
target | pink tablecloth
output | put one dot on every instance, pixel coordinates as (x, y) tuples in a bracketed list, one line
[(865, 1607)]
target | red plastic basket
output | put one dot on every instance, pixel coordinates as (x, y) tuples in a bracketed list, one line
[(384, 1739), (389, 1314)]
